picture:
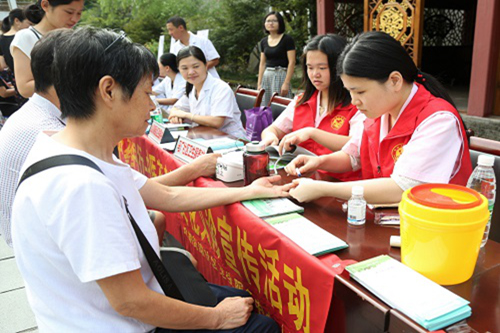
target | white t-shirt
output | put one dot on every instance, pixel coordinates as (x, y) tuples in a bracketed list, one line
[(432, 155), (166, 90), (25, 40), (70, 229), (284, 122), (16, 139), (204, 44), (215, 99)]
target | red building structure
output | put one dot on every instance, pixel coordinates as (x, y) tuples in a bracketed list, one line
[(460, 38)]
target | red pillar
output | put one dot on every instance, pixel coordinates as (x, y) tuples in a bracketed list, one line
[(484, 59), (325, 10)]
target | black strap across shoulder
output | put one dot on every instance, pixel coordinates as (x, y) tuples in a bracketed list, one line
[(165, 280)]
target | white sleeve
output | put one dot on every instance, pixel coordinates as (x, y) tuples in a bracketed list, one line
[(160, 88), (24, 40), (356, 124), (209, 50), (284, 122), (433, 153), (183, 103), (139, 179), (352, 148), (222, 101), (179, 89), (91, 227)]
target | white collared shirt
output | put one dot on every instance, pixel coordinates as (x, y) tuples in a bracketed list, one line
[(166, 90), (16, 139), (432, 155), (204, 44), (215, 99)]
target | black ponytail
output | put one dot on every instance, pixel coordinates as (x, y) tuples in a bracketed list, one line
[(5, 24), (375, 55)]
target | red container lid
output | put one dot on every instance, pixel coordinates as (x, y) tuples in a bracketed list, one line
[(445, 196)]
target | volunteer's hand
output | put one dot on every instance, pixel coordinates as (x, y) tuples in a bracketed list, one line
[(304, 163), (295, 138), (270, 140), (233, 312), (305, 190)]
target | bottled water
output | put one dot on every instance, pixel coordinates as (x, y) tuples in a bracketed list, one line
[(483, 181), (156, 114), (356, 207)]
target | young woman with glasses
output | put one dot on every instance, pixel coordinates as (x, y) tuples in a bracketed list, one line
[(277, 58)]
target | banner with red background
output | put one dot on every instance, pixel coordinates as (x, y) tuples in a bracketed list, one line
[(236, 248)]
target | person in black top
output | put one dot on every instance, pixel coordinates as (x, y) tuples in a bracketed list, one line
[(277, 58), (8, 101), (13, 23)]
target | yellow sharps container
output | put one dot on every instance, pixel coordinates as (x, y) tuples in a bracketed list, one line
[(441, 230)]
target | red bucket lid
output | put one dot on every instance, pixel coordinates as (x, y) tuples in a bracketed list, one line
[(445, 196)]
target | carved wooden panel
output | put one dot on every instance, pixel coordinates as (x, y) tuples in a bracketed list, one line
[(402, 19)]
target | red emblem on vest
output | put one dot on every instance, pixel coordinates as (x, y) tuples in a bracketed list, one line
[(337, 122), (397, 151)]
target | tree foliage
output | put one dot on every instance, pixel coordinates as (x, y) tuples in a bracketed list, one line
[(235, 25)]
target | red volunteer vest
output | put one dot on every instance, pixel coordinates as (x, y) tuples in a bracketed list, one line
[(378, 158), (337, 122)]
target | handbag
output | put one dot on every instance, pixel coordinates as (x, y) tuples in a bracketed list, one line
[(258, 119), (175, 273)]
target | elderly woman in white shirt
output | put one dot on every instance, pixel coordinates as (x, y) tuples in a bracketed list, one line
[(208, 101), (173, 86)]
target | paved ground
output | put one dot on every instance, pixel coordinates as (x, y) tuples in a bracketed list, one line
[(15, 312)]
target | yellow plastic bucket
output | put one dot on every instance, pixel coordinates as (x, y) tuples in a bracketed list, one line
[(441, 230)]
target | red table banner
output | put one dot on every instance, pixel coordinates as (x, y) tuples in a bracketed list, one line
[(236, 248)]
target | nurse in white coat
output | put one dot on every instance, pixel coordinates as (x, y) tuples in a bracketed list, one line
[(208, 101), (173, 86)]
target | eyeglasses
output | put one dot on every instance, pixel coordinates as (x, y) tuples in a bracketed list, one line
[(271, 21), (119, 38)]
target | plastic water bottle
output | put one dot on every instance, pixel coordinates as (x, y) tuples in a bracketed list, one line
[(356, 207), (156, 114), (483, 180)]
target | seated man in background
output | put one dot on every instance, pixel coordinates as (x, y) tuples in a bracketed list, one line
[(177, 29)]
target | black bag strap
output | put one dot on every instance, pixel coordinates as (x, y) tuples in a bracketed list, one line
[(164, 279), (36, 32)]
